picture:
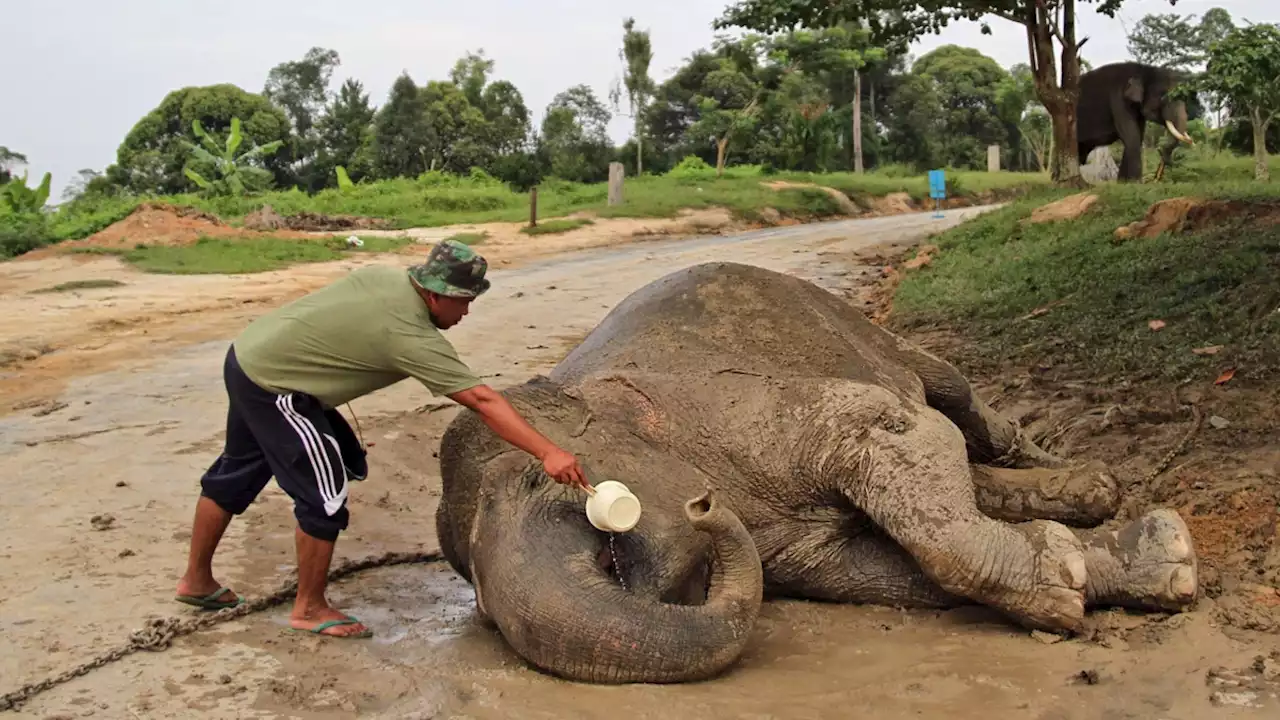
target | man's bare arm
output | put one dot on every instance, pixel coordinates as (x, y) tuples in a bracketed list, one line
[(504, 420)]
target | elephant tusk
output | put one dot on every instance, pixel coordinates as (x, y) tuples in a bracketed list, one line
[(1174, 131)]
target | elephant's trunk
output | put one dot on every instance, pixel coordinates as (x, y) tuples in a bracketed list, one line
[(539, 581)]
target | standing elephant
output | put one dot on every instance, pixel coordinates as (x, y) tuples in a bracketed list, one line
[(1116, 103), (780, 443)]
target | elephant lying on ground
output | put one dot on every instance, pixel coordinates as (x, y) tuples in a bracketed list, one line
[(780, 443)]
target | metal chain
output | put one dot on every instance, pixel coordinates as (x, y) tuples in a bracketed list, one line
[(158, 633)]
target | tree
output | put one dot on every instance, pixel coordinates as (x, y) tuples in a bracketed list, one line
[(79, 184), (301, 89), (151, 157), (402, 135), (1167, 39), (636, 54), (967, 86), (10, 161), (1242, 69), (345, 132), (836, 58), (726, 104), (575, 141), (894, 21)]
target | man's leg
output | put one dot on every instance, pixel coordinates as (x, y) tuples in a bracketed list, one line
[(308, 465), (227, 488)]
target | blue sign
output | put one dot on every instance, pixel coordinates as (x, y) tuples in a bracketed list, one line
[(937, 184)]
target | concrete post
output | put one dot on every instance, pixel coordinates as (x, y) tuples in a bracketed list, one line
[(993, 158), (615, 183)]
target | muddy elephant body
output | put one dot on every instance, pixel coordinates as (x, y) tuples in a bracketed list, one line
[(781, 444), (1116, 103)]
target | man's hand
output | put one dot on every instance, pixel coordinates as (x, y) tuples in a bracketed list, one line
[(563, 466)]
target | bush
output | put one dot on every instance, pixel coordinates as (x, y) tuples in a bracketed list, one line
[(21, 233)]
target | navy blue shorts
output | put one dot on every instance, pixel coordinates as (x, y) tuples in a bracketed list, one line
[(310, 450)]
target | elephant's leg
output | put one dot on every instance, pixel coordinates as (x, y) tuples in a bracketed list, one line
[(1080, 496), (905, 466), (1149, 564), (990, 438), (1130, 128), (849, 562)]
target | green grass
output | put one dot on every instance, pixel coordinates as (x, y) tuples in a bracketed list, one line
[(554, 227), (435, 199), (229, 256), (80, 285), (1215, 286)]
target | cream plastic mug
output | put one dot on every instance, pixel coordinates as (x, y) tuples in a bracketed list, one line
[(613, 507)]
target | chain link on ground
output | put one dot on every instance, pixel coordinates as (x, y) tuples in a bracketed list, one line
[(158, 633)]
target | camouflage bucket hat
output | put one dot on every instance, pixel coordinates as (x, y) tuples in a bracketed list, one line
[(452, 269)]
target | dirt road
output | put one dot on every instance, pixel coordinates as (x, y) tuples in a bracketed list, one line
[(116, 407)]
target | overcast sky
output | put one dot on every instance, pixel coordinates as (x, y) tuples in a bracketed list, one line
[(80, 73)]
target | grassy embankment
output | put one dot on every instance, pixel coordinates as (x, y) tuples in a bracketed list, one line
[(1068, 294), (434, 200)]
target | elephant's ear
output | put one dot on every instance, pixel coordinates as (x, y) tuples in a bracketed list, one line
[(1133, 90)]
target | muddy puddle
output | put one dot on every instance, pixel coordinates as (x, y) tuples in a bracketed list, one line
[(433, 658)]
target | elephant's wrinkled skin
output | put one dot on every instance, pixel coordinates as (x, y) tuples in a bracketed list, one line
[(1116, 103), (782, 443)]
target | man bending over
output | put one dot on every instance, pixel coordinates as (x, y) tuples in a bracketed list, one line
[(285, 376)]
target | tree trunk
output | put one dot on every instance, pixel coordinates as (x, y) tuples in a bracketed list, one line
[(1064, 166), (1059, 100), (722, 144), (1261, 168), (639, 151), (857, 122)]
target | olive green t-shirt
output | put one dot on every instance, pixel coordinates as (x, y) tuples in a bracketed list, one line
[(362, 333)]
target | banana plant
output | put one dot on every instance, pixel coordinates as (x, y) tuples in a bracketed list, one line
[(20, 199), (223, 158)]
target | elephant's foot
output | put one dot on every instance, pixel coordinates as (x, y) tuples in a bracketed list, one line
[(1057, 579), (1149, 564), (1080, 496)]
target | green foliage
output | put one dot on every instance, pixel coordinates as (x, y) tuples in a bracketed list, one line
[(236, 175), (229, 256), (1242, 69), (23, 232), (152, 158), (19, 199), (1214, 285), (636, 54), (344, 182)]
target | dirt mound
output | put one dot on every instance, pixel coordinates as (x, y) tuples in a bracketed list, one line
[(266, 218), (847, 206), (892, 204), (164, 224), (1068, 208), (1187, 214)]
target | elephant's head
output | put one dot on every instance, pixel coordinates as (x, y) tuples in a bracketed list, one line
[(672, 600), (1151, 90)]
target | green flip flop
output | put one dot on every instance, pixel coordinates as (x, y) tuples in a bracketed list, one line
[(320, 629), (209, 602)]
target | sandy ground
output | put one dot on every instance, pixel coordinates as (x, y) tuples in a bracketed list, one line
[(113, 405)]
